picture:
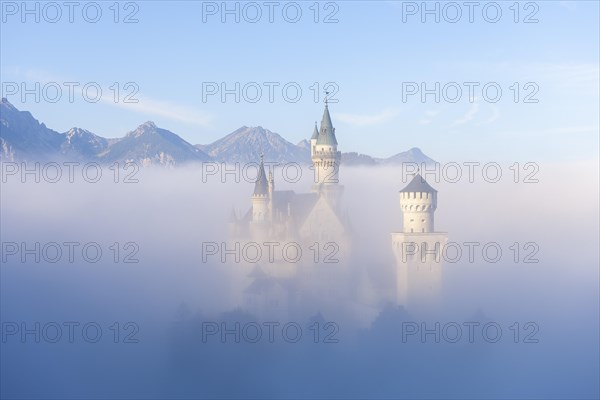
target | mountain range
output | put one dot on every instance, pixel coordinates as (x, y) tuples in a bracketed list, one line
[(24, 138)]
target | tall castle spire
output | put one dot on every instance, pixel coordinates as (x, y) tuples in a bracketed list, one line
[(261, 186), (327, 132), (326, 160), (260, 198), (315, 134)]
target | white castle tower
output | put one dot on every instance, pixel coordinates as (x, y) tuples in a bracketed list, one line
[(260, 197), (311, 221), (418, 249), (326, 160), (262, 204)]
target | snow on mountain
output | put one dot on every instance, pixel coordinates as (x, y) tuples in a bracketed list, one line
[(246, 144), (22, 137), (151, 145), (83, 144)]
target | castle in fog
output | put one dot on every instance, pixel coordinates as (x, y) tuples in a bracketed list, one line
[(285, 214), (316, 218)]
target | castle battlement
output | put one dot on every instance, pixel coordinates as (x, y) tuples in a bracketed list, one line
[(326, 153)]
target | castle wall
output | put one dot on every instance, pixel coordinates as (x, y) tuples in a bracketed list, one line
[(419, 269)]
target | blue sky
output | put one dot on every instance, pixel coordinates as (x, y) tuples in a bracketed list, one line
[(370, 53)]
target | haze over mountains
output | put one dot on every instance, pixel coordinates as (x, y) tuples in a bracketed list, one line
[(23, 138)]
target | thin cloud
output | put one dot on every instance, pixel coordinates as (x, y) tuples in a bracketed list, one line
[(495, 115), (150, 107), (428, 118), (165, 109), (469, 115), (565, 74)]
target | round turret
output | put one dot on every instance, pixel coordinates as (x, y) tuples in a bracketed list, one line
[(418, 201)]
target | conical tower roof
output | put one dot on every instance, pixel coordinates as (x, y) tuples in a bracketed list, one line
[(418, 184), (315, 134), (326, 134), (261, 186)]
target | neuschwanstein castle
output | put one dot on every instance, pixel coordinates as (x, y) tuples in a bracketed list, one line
[(285, 214), (281, 288)]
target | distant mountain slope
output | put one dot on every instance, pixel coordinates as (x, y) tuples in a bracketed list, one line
[(150, 145), (22, 137), (81, 143), (414, 155), (304, 144), (355, 159), (246, 144)]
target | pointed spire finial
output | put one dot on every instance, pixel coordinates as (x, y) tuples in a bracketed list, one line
[(261, 184), (327, 132), (315, 134), (326, 94)]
